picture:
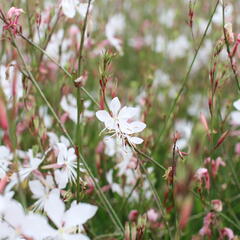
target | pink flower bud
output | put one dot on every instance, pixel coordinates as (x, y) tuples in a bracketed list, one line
[(237, 148), (12, 12), (3, 116), (226, 232), (152, 215), (100, 147), (203, 175), (185, 212), (207, 222), (3, 183), (217, 205), (132, 216)]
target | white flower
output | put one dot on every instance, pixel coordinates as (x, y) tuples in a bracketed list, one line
[(58, 41), (69, 105), (185, 129), (67, 222), (53, 140), (178, 48), (218, 16), (5, 160), (119, 121), (26, 170), (67, 159), (115, 26), (70, 7), (167, 17), (161, 79), (235, 115), (112, 146), (114, 186), (16, 223), (41, 191), (47, 119)]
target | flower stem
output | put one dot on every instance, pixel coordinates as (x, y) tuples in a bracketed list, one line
[(79, 138)]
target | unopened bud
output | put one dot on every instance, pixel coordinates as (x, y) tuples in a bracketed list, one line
[(80, 82), (229, 32)]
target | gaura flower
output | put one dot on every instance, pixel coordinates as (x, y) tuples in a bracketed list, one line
[(201, 176), (67, 222), (119, 121), (13, 15), (70, 7)]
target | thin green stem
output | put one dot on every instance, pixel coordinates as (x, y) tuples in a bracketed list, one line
[(29, 19), (79, 104), (49, 36), (150, 159)]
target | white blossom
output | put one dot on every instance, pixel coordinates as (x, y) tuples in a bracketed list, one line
[(71, 7), (119, 122), (41, 191), (67, 222)]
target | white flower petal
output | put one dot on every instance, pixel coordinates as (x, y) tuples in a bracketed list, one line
[(78, 236), (236, 104), (36, 188), (109, 176), (127, 112), (235, 118), (14, 213), (36, 227), (78, 214), (103, 116), (116, 188), (135, 140), (55, 208), (82, 9), (115, 106), (125, 127), (62, 154), (69, 8), (137, 126), (61, 178)]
